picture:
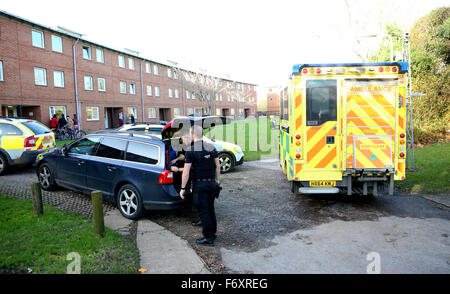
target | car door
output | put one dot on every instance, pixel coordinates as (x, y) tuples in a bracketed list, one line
[(71, 167), (105, 168)]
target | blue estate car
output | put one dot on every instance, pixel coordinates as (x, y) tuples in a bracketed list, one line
[(129, 168)]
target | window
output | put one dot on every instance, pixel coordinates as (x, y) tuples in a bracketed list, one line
[(111, 148), (143, 153), (58, 110), (123, 87), (188, 95), (37, 38), (92, 113), (193, 96), (175, 75), (122, 61), (57, 44), (148, 67), (198, 112), (232, 111), (157, 92), (100, 55), (132, 111), (169, 73), (131, 63), (58, 79), (101, 84), (132, 89), (87, 52), (85, 146), (36, 127), (176, 112), (321, 105), (88, 83), (9, 130), (170, 93), (156, 69), (1, 71), (221, 97), (40, 76), (218, 111), (152, 112), (149, 90), (190, 111), (177, 93)]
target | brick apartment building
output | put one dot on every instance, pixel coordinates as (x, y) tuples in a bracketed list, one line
[(271, 105), (37, 80)]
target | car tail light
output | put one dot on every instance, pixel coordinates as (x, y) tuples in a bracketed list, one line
[(402, 154), (30, 142), (166, 177), (380, 69), (402, 135), (318, 70)]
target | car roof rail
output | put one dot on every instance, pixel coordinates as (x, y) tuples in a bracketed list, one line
[(128, 133), (10, 118)]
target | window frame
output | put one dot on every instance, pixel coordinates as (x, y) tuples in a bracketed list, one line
[(148, 67), (42, 38), (121, 58), (54, 80), (143, 143), (170, 93), (133, 87), (53, 48), (156, 70), (331, 102), (151, 90), (91, 82), (148, 112), (98, 84), (97, 50), (45, 76), (54, 110), (113, 139), (89, 52), (131, 64), (120, 87), (98, 113), (157, 91), (2, 76)]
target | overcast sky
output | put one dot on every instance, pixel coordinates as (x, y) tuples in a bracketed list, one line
[(252, 41)]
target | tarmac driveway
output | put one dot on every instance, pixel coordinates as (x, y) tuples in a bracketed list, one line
[(264, 228)]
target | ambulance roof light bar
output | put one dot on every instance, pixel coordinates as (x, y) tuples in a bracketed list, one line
[(403, 66)]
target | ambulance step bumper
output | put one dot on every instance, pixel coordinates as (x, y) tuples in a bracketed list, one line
[(318, 190)]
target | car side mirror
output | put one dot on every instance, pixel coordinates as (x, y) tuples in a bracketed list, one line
[(64, 150)]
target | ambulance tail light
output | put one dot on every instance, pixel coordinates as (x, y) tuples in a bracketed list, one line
[(311, 70), (318, 71), (305, 71), (394, 69), (402, 155), (166, 177), (298, 137), (298, 156), (30, 142), (381, 69), (402, 135)]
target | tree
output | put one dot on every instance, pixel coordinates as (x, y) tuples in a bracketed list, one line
[(430, 53)]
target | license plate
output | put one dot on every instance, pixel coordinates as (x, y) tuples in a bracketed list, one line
[(322, 183), (47, 140)]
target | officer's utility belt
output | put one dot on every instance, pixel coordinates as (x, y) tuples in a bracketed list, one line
[(205, 180)]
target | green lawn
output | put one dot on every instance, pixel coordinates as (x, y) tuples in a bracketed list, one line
[(432, 173), (254, 136), (43, 243), (61, 143)]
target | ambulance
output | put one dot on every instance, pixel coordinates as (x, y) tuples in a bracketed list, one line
[(343, 128)]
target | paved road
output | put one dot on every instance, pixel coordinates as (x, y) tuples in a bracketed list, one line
[(264, 228)]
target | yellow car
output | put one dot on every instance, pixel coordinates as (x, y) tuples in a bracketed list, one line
[(21, 141)]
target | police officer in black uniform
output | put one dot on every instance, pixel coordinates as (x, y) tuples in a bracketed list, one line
[(202, 161)]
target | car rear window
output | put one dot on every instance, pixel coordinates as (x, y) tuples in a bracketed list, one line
[(36, 127), (143, 153)]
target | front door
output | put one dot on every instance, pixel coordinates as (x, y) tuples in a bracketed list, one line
[(321, 125), (106, 118)]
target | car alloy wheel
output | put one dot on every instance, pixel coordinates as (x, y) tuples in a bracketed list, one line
[(3, 164), (45, 177), (128, 202), (226, 163)]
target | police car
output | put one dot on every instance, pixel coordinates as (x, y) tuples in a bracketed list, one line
[(22, 140)]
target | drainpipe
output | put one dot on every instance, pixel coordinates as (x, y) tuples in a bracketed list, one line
[(78, 112), (142, 93)]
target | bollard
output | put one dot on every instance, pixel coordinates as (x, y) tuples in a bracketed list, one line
[(36, 195), (97, 208)]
